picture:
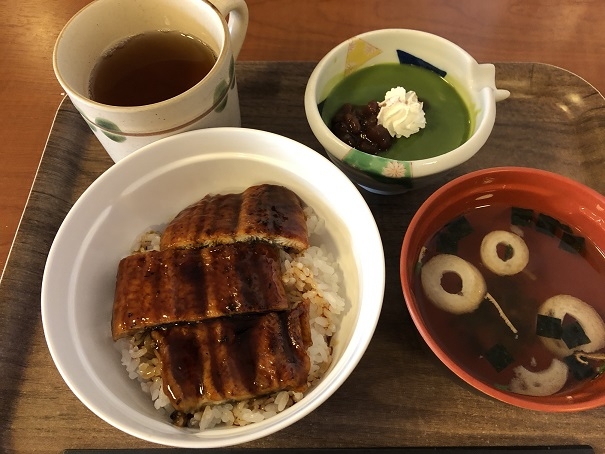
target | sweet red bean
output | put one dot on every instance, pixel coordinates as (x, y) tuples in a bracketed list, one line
[(358, 127)]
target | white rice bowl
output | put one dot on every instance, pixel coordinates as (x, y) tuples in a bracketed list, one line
[(151, 186), (313, 275)]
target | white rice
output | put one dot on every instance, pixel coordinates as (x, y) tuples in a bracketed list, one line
[(312, 275)]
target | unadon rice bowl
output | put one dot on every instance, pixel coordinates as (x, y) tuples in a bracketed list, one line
[(310, 277)]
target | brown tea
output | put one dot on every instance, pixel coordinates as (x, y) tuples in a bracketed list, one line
[(149, 68)]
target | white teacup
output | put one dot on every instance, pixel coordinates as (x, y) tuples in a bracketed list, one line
[(212, 102)]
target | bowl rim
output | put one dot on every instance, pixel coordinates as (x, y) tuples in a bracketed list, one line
[(58, 272), (405, 270), (420, 167)]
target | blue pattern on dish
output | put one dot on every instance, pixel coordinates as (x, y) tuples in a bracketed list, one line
[(407, 58)]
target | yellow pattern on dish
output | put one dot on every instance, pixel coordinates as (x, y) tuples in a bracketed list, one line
[(359, 52)]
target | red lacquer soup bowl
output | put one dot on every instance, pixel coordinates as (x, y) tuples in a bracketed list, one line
[(503, 274)]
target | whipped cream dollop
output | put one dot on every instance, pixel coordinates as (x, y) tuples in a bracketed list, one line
[(401, 113)]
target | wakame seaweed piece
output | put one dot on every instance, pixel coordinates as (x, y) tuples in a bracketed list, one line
[(452, 233), (573, 335), (565, 227), (446, 243), (521, 216), (499, 357), (572, 243), (547, 326), (547, 224), (460, 227), (580, 370)]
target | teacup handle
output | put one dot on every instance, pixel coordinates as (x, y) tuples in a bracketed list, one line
[(238, 21)]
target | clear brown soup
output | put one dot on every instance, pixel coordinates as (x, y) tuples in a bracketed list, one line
[(554, 268)]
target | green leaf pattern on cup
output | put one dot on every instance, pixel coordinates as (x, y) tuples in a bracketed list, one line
[(110, 129), (107, 127), (221, 94), (378, 165), (232, 72)]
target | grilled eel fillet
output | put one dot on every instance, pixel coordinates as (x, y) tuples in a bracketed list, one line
[(264, 212), (189, 285), (234, 358)]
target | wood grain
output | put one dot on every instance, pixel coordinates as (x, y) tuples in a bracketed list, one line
[(399, 394), (566, 33)]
